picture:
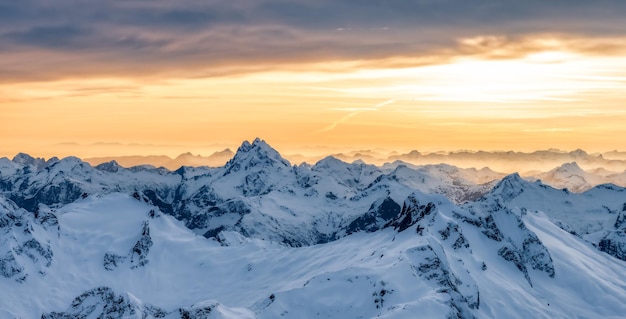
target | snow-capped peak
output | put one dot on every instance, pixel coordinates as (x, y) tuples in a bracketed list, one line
[(510, 186), (27, 160), (257, 154), (68, 163), (570, 176)]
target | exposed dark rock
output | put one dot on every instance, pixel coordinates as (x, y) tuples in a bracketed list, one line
[(9, 267), (412, 212), (511, 254), (102, 302), (428, 265), (453, 233), (377, 216), (48, 220), (621, 219), (536, 254), (112, 261), (110, 167), (139, 252), (196, 312), (614, 244), (32, 248), (491, 230)]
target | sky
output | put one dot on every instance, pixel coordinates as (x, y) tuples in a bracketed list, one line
[(139, 77)]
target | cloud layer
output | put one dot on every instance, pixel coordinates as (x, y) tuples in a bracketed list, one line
[(74, 38)]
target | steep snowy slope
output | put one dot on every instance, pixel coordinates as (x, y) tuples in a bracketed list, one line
[(594, 215), (118, 256)]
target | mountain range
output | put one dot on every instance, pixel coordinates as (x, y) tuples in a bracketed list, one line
[(185, 159), (261, 238), (576, 170)]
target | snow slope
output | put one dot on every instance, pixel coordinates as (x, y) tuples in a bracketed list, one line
[(594, 215), (451, 268)]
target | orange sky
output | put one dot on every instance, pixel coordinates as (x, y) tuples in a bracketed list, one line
[(484, 91)]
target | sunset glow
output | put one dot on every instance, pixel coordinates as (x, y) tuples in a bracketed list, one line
[(487, 91)]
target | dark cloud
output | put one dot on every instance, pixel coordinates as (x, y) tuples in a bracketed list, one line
[(49, 36), (83, 37)]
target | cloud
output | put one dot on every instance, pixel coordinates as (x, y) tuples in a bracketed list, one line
[(43, 40)]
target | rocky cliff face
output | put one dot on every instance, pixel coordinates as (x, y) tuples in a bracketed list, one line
[(24, 238)]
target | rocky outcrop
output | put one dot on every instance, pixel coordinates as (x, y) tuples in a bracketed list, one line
[(413, 211), (25, 241), (519, 245), (138, 255), (463, 294), (103, 302), (380, 212), (614, 244), (139, 252)]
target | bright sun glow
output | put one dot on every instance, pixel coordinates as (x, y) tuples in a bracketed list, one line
[(545, 96)]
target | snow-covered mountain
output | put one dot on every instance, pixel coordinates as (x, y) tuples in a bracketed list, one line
[(261, 238), (596, 215), (572, 177)]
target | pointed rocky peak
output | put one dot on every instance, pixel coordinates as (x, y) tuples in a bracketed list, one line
[(258, 154), (244, 147), (414, 210), (110, 167), (27, 160), (182, 171), (510, 187)]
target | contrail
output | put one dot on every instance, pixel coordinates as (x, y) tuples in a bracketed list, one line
[(343, 119)]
